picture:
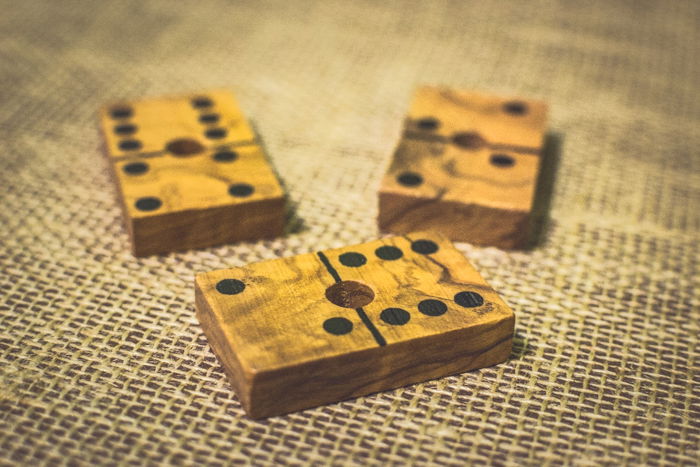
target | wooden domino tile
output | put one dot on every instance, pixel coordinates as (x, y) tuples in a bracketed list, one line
[(322, 327), (466, 166), (190, 173)]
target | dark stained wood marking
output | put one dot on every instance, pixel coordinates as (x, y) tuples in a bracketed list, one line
[(350, 294), (164, 152), (379, 339), (329, 267), (469, 140)]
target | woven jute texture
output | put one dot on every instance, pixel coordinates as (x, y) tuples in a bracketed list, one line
[(101, 358)]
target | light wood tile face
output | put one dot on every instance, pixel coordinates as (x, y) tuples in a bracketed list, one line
[(190, 173), (354, 320), (466, 166), (149, 125)]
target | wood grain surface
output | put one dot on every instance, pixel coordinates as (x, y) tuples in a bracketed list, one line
[(190, 173), (466, 166), (321, 327)]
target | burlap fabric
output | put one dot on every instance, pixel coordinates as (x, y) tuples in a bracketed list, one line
[(102, 358)]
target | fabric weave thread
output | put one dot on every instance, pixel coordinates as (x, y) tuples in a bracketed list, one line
[(101, 357)]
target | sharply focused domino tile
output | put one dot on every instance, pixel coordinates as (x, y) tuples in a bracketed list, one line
[(190, 173), (467, 166), (321, 327)]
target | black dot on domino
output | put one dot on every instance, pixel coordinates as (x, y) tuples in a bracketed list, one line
[(337, 326), (136, 168), (149, 203), (432, 307), (240, 190), (209, 118), (428, 123), (410, 179), (352, 259), (395, 316), (215, 133), (121, 111), (424, 247), (515, 107), (125, 129), (469, 299), (130, 145), (502, 160), (230, 286), (388, 252), (202, 102), (225, 156)]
